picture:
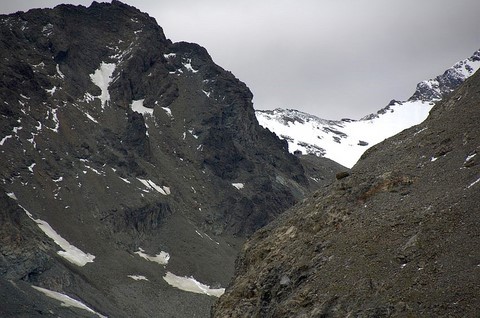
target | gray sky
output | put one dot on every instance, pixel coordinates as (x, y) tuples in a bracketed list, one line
[(330, 58)]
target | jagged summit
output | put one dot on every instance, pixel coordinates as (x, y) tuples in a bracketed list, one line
[(346, 140), (437, 88)]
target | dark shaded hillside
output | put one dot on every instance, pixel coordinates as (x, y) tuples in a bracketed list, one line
[(398, 237), (121, 142)]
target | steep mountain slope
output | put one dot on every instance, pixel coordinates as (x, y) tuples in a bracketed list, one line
[(398, 237), (344, 141), (131, 166)]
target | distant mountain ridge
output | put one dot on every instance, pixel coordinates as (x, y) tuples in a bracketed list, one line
[(344, 141)]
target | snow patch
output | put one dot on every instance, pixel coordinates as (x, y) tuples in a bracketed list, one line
[(30, 168), (473, 183), (71, 253), (102, 77), (67, 301), (238, 185), (87, 97), (125, 180), (190, 284), (90, 117), (5, 139), (137, 277), (137, 106), (91, 168), (11, 195), (62, 76), (32, 140), (55, 119), (151, 185), (16, 129), (51, 91), (161, 258), (211, 239), (191, 131), (168, 111), (53, 114), (470, 157), (167, 190), (188, 66)]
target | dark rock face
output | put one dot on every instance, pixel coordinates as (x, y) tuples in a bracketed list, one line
[(22, 252), (397, 237), (120, 139)]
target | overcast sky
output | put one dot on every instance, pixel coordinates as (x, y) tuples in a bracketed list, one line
[(331, 58)]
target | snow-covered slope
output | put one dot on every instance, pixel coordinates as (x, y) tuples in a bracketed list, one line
[(344, 141)]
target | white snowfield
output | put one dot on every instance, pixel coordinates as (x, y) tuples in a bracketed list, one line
[(71, 253), (344, 141), (67, 301), (102, 77), (353, 137), (162, 258), (190, 284)]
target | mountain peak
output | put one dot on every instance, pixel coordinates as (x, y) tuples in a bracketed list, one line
[(435, 89), (346, 140), (130, 164)]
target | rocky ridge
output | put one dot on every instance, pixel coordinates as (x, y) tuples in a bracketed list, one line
[(344, 141), (397, 237), (131, 167)]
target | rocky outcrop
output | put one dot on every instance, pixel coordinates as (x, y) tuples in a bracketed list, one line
[(114, 141), (397, 237)]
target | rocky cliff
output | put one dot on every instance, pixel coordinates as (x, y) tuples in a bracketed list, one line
[(398, 237), (132, 167)]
